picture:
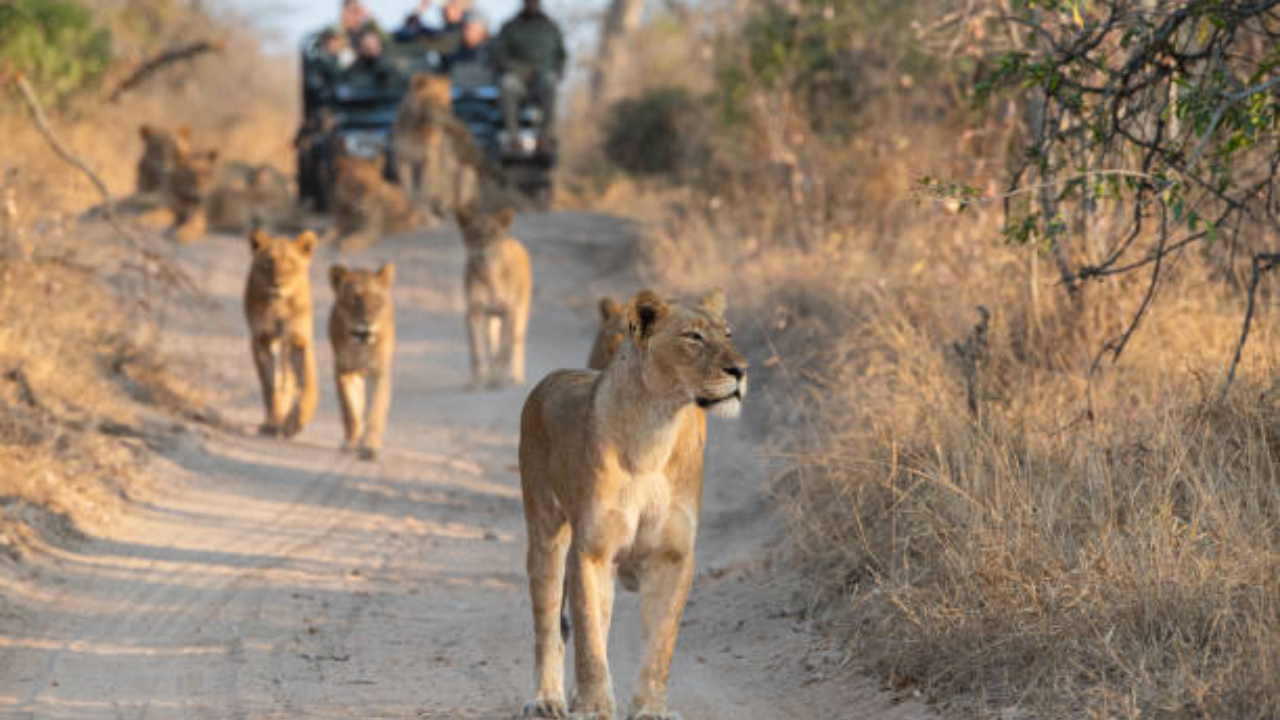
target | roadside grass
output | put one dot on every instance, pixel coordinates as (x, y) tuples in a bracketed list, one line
[(85, 394)]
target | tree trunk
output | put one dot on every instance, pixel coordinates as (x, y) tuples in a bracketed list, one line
[(620, 21)]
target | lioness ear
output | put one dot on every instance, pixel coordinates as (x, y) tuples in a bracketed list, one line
[(183, 133), (714, 302), (145, 131), (645, 310), (505, 217), (387, 274), (337, 274), (306, 242), (609, 308), (259, 240), (420, 80)]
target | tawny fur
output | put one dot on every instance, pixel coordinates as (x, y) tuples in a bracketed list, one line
[(419, 140), (613, 331), (184, 196), (366, 207), (611, 476), (362, 330), (278, 308), (249, 197), (499, 288), (160, 151)]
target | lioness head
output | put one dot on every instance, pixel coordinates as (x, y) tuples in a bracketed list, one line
[(362, 298), (613, 330), (193, 175), (281, 265), (687, 348), (430, 90), (480, 229), (160, 151)]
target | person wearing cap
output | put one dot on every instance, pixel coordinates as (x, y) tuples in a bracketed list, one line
[(530, 54)]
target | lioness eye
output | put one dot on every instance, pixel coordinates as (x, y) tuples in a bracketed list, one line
[(694, 336)]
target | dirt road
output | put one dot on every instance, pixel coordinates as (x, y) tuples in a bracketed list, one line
[(267, 579)]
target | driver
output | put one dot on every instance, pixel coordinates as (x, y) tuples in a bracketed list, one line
[(530, 54)]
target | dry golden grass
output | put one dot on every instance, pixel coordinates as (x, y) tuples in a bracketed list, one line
[(84, 394), (1084, 545)]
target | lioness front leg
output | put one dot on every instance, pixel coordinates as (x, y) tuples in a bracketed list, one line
[(377, 419), (548, 547), (478, 335), (302, 364), (665, 579), (351, 400), (517, 322), (591, 605), (262, 360)]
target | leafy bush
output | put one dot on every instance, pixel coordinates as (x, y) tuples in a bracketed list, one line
[(56, 43), (653, 133)]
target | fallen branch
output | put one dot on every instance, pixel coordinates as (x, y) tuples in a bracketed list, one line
[(168, 57), (165, 267)]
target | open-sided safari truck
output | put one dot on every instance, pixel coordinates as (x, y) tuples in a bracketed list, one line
[(343, 116)]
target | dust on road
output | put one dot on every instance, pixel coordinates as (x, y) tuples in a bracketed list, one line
[(270, 579)]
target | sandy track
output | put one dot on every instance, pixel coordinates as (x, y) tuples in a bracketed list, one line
[(269, 579)]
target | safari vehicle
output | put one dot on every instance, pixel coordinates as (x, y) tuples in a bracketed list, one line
[(349, 117), (352, 119), (477, 102)]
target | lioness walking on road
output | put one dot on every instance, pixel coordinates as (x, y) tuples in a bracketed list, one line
[(362, 329), (277, 305), (499, 287), (611, 474)]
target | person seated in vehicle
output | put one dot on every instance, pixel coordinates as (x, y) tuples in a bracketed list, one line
[(371, 68), (530, 54), (443, 39), (475, 47), (355, 21), (323, 68)]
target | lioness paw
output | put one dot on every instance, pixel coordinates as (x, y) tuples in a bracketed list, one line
[(545, 709), (268, 430), (368, 454)]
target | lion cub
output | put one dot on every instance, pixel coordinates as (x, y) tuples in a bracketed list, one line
[(160, 153), (499, 286), (366, 206), (362, 329), (277, 305), (611, 476), (613, 331)]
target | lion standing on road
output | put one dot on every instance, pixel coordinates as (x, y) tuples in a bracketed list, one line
[(362, 329), (499, 288), (278, 308), (611, 475)]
